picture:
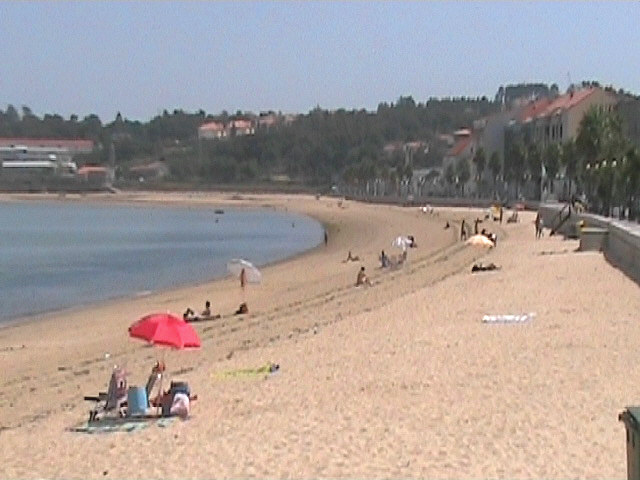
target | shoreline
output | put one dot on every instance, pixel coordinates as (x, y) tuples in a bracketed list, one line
[(44, 198), (351, 232)]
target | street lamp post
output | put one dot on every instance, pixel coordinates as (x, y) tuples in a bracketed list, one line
[(612, 186)]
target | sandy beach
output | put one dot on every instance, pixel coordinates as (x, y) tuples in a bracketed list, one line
[(399, 379)]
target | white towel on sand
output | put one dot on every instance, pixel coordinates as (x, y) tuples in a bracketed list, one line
[(508, 318)]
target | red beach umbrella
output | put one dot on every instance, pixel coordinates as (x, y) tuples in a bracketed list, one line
[(165, 329)]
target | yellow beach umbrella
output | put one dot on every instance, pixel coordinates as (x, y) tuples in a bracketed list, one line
[(480, 241)]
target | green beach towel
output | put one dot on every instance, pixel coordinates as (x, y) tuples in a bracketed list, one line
[(126, 425), (265, 370)]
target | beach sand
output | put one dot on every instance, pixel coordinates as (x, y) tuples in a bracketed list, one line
[(401, 379)]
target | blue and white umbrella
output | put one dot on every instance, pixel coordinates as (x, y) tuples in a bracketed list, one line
[(252, 274)]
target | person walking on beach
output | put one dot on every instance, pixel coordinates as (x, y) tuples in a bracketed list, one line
[(384, 260), (501, 214), (538, 224), (326, 238), (463, 230)]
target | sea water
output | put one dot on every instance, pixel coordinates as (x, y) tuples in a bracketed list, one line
[(58, 255)]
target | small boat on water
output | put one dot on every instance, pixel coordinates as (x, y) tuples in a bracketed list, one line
[(218, 211)]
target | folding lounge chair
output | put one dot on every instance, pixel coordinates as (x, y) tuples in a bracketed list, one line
[(114, 400)]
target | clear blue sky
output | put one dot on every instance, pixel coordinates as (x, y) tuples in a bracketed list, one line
[(142, 57)]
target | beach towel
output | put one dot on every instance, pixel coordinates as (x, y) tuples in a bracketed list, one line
[(508, 318), (267, 369), (126, 425)]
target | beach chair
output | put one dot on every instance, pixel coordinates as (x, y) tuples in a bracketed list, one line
[(495, 212), (114, 400)]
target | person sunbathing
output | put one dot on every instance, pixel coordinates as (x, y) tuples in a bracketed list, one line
[(189, 315), (479, 267), (362, 278), (242, 309), (352, 258), (206, 314), (207, 309)]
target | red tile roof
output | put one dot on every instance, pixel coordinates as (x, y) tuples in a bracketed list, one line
[(214, 126), (545, 107), (532, 109), (47, 143), (268, 120), (459, 146), (568, 100), (241, 123)]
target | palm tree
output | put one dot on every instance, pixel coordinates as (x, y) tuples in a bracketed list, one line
[(515, 164), (534, 166), (463, 171), (494, 167), (450, 174), (600, 142), (480, 161), (631, 175), (551, 162), (569, 160)]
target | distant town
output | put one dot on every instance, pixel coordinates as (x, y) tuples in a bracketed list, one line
[(530, 142)]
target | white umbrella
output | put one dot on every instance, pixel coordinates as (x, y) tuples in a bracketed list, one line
[(401, 242), (236, 265), (480, 241)]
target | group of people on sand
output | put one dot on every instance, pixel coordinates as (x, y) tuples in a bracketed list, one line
[(464, 233), (491, 236), (190, 315), (386, 261)]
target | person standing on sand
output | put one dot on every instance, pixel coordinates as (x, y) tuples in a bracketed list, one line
[(243, 278), (463, 230), (500, 214), (326, 238), (538, 224)]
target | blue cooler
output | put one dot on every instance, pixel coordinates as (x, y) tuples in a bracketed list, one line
[(137, 401)]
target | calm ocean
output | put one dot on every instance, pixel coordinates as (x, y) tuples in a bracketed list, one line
[(60, 255)]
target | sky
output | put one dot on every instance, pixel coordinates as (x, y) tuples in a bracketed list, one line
[(141, 57)]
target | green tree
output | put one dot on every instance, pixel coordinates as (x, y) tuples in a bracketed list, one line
[(450, 174), (495, 165), (589, 141), (551, 162), (480, 162), (631, 176), (463, 172), (601, 143), (569, 161), (515, 164), (534, 167)]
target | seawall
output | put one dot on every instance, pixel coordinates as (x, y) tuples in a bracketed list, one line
[(621, 246)]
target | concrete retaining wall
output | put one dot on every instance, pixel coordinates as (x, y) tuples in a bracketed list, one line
[(622, 246)]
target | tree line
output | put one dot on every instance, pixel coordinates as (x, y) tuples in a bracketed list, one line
[(315, 149), (322, 147)]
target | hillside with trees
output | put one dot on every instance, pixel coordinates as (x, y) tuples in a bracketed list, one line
[(324, 147), (315, 149)]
